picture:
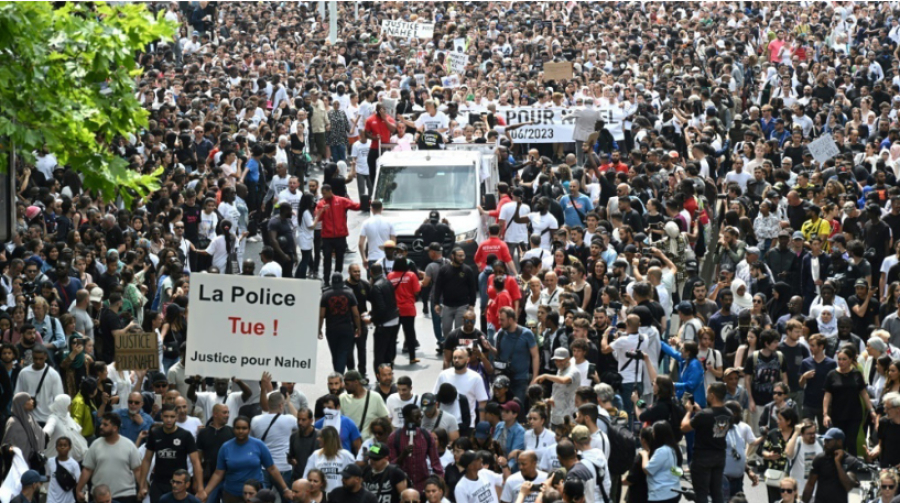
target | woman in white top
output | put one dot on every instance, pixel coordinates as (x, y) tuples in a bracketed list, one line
[(208, 221), (533, 300), (331, 459), (221, 247), (435, 488), (538, 437), (307, 220)]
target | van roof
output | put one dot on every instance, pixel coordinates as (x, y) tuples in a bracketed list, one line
[(430, 158)]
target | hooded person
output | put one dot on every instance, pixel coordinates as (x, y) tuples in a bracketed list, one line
[(827, 322), (742, 297), (778, 304), (60, 424), (22, 430)]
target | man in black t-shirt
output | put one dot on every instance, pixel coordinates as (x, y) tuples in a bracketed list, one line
[(352, 491), (430, 140), (864, 307), (829, 477), (171, 447), (711, 425), (383, 479), (338, 308), (281, 239)]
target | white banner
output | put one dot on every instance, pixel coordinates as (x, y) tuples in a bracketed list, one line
[(456, 63), (242, 326), (548, 126), (406, 29)]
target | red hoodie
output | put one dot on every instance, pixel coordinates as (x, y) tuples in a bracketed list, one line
[(406, 287), (334, 220)]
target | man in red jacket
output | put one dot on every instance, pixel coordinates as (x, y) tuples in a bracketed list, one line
[(334, 229), (493, 244)]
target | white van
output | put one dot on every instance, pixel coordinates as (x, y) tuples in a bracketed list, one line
[(411, 184)]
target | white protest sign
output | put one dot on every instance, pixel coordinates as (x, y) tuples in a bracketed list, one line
[(406, 29), (823, 148), (242, 326), (420, 79), (459, 44), (456, 62)]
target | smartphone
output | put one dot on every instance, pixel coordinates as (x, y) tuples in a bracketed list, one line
[(157, 400)]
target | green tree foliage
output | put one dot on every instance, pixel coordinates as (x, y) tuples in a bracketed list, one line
[(54, 63)]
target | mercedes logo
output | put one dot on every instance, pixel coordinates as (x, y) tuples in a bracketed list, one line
[(418, 245)]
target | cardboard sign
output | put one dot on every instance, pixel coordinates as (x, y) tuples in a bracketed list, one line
[(456, 63), (558, 71), (242, 326), (823, 148), (137, 351), (404, 29)]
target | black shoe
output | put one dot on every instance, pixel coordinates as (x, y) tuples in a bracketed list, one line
[(439, 352)]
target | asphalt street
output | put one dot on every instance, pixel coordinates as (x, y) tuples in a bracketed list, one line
[(424, 373)]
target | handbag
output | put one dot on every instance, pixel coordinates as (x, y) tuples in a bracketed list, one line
[(773, 477)]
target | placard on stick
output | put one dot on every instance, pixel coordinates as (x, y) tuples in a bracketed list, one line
[(558, 71), (823, 148), (137, 351)]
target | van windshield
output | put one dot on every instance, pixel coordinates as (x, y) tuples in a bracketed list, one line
[(426, 187)]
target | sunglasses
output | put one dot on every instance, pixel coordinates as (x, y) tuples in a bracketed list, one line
[(778, 393), (889, 486), (757, 301), (788, 491), (136, 402), (468, 321)]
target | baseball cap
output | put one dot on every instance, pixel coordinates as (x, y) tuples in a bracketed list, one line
[(874, 208), (691, 265), (685, 307), (482, 430), (501, 382), (862, 282), (96, 294), (560, 354), (797, 235), (428, 401), (402, 247), (511, 406), (378, 450), (32, 477), (732, 370), (833, 434), (351, 470), (434, 215), (581, 434)]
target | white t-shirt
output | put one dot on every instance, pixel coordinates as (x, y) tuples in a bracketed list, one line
[(540, 224), (278, 438), (545, 256), (433, 123), (330, 467), (803, 460), (271, 269), (483, 490), (360, 152), (306, 232), (515, 233), (395, 406), (376, 229), (206, 400), (469, 384), (293, 199), (583, 370), (621, 346), (547, 459), (514, 483), (55, 494), (191, 424), (740, 178)]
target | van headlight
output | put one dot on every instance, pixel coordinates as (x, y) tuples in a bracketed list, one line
[(466, 236)]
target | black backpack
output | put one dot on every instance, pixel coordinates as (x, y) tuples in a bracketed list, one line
[(465, 413), (621, 446)]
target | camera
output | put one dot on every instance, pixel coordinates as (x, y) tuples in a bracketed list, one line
[(637, 354)]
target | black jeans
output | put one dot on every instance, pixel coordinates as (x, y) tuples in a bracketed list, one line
[(360, 343), (287, 268), (409, 335), (374, 153), (317, 252), (851, 431), (305, 261), (707, 480), (385, 345), (339, 247), (158, 489), (340, 343)]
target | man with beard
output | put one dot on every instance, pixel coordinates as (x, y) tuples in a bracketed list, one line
[(210, 440), (111, 461), (829, 477), (466, 381)]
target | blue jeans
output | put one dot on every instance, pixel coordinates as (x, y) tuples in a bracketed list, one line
[(168, 363), (732, 486), (338, 153), (627, 404), (215, 495), (268, 483)]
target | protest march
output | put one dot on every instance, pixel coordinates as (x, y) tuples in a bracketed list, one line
[(453, 252)]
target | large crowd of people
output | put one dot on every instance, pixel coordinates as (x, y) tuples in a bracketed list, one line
[(700, 288)]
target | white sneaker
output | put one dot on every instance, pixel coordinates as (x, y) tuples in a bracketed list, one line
[(254, 239)]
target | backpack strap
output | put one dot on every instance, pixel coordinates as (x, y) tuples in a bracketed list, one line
[(266, 433)]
